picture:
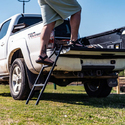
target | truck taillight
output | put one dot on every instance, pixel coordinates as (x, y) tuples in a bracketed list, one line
[(50, 44), (57, 41), (51, 41)]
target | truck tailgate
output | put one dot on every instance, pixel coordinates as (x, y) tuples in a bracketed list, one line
[(96, 53), (91, 58)]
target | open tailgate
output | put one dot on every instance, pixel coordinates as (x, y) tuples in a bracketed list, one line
[(97, 58)]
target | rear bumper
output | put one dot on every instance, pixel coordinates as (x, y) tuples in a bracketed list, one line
[(110, 68)]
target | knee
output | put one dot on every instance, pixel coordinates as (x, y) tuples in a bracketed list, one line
[(49, 26), (79, 12)]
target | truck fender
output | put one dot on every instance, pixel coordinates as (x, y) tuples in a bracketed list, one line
[(20, 44)]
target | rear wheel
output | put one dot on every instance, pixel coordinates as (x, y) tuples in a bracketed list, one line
[(18, 83), (97, 88)]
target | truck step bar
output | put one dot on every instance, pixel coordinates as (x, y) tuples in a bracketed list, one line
[(43, 86)]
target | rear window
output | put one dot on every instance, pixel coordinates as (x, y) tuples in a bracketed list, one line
[(64, 30), (29, 20)]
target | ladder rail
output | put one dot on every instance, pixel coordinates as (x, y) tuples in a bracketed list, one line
[(52, 52), (34, 84), (47, 79)]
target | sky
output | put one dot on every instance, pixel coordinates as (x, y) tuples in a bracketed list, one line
[(97, 15)]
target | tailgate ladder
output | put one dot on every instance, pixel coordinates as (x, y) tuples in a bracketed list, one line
[(43, 86)]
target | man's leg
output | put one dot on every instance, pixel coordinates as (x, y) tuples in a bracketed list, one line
[(44, 38), (75, 23)]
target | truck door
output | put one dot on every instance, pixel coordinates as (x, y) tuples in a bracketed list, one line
[(3, 39)]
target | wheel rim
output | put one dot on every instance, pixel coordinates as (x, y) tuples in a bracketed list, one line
[(16, 80), (94, 86)]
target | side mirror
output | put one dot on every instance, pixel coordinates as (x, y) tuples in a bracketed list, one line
[(19, 27)]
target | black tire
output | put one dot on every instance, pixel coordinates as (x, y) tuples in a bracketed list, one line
[(18, 82), (97, 88), (106, 89)]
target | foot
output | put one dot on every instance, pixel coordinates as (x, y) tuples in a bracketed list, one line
[(44, 60), (75, 43)]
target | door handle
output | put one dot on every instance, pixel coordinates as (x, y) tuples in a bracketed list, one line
[(2, 44)]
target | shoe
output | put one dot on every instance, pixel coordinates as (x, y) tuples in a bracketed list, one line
[(42, 61), (75, 43)]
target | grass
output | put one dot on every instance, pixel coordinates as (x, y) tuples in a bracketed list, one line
[(65, 106)]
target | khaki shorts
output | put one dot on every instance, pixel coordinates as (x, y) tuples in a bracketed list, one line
[(57, 10)]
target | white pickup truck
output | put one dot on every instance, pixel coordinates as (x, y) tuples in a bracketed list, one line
[(96, 65)]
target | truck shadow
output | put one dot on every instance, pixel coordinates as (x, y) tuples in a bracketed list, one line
[(112, 101), (5, 94)]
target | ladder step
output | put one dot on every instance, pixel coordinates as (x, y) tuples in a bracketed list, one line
[(45, 66), (39, 85)]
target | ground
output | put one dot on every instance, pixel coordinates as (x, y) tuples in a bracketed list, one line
[(65, 106)]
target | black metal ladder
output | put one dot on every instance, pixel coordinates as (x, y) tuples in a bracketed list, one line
[(46, 80)]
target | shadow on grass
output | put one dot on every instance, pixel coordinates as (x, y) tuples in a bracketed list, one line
[(5, 94), (112, 101)]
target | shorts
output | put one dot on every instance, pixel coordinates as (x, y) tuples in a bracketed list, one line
[(57, 10)]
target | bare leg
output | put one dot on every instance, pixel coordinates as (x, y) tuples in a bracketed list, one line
[(45, 36), (75, 23)]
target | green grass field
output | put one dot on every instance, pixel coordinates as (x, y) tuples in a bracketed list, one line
[(65, 106)]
